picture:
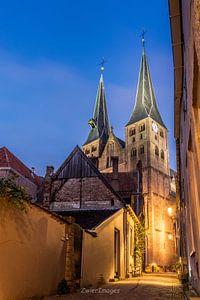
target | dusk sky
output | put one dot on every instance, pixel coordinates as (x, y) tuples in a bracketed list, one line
[(49, 71)]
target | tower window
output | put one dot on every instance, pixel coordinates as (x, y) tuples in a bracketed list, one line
[(162, 133), (94, 148), (141, 136), (142, 127), (134, 152), (87, 151), (133, 140), (132, 131), (156, 151), (156, 138), (142, 149), (162, 155)]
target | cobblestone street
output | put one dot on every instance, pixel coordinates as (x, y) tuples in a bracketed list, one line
[(148, 287)]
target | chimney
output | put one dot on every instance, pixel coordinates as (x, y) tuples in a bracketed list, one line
[(95, 161), (47, 186), (115, 166), (49, 172)]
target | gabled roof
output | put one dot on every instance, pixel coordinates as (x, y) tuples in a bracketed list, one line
[(145, 103), (89, 219), (100, 128), (9, 160), (78, 165), (121, 142)]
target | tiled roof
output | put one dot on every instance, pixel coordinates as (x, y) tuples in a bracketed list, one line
[(9, 160), (127, 182), (89, 219)]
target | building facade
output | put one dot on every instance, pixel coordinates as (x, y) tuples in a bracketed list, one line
[(185, 29), (11, 167), (146, 141)]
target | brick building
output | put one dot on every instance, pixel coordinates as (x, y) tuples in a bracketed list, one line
[(185, 30), (12, 167), (146, 140), (106, 237)]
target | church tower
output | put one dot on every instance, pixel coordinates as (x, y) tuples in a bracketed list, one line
[(147, 140), (99, 124), (146, 134)]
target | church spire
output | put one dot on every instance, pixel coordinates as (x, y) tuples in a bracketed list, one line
[(145, 103), (99, 122)]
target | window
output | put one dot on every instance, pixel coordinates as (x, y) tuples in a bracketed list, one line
[(142, 127), (162, 155), (141, 136), (134, 152), (156, 138), (132, 131), (156, 151), (133, 140), (94, 148), (162, 133), (87, 151), (142, 149)]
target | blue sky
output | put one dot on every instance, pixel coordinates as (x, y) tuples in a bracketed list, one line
[(49, 71)]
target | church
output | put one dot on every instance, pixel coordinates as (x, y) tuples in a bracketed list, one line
[(146, 141), (121, 193)]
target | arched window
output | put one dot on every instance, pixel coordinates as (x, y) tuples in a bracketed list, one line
[(87, 151), (142, 149), (162, 154), (132, 131), (134, 152), (94, 148), (156, 151), (161, 133)]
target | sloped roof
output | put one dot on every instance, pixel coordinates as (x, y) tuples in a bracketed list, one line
[(89, 219), (122, 143), (100, 116), (9, 160), (145, 104), (78, 165)]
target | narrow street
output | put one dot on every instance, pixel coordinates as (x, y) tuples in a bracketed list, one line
[(148, 287)]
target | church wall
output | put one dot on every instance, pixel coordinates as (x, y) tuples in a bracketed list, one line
[(88, 192)]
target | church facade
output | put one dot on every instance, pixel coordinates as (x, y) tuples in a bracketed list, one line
[(146, 142)]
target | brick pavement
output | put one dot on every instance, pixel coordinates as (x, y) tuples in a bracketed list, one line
[(148, 287)]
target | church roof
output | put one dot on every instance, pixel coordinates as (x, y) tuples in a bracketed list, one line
[(99, 123), (145, 103), (9, 160)]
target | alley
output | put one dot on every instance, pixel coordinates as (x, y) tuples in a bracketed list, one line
[(148, 287)]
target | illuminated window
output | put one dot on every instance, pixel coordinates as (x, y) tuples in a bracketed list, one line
[(156, 151)]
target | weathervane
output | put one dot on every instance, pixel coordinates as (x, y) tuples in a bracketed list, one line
[(102, 65), (143, 39)]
